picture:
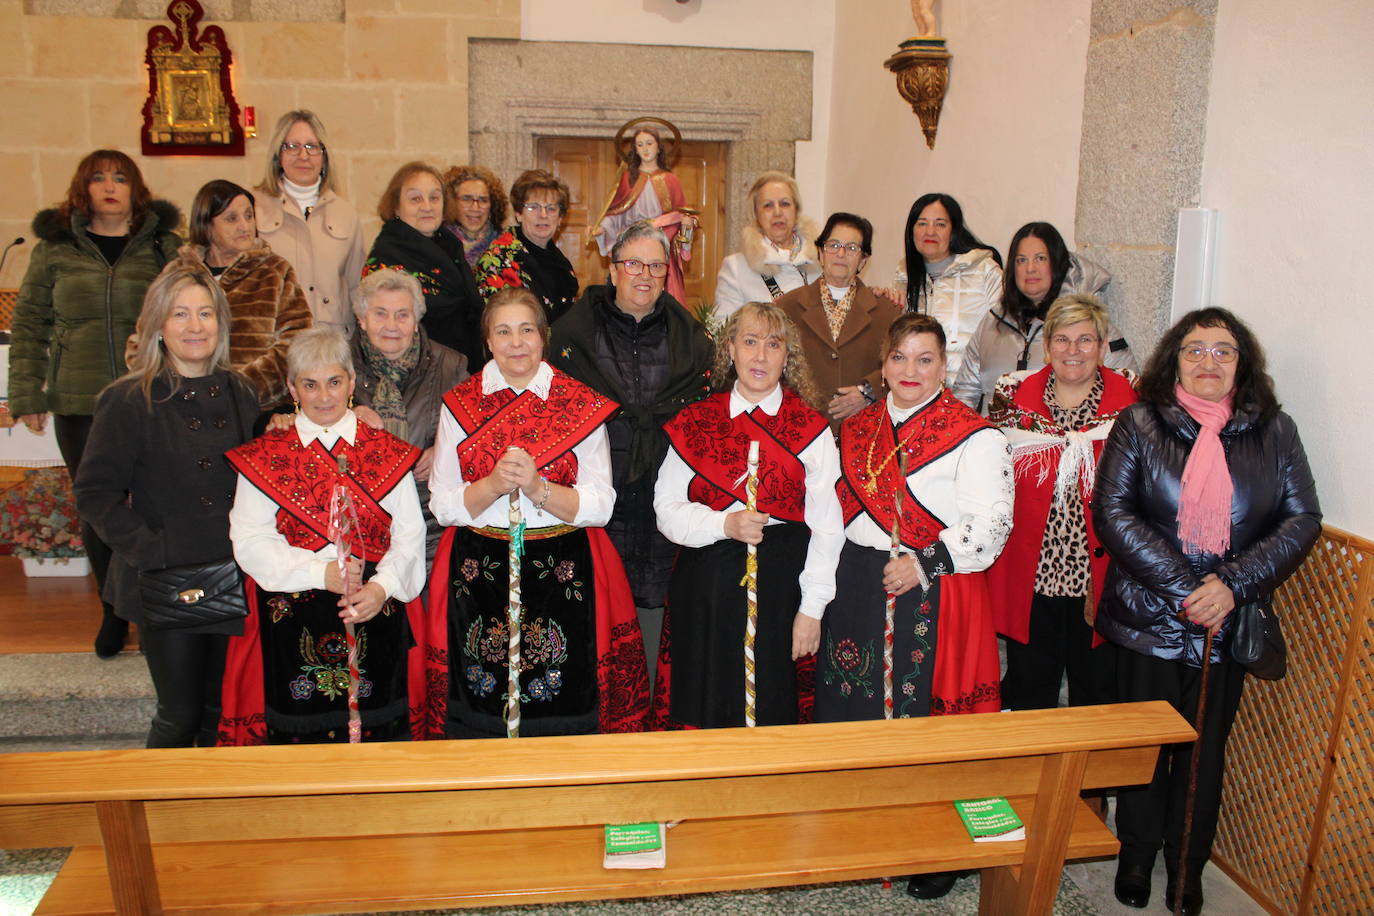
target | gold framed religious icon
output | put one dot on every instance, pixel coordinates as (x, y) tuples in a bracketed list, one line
[(190, 108)]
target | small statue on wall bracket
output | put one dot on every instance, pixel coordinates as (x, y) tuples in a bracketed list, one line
[(190, 110), (921, 66), (648, 189)]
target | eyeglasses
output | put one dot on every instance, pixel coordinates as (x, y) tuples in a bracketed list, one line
[(835, 247), (535, 208), (1222, 353), (1086, 342), (309, 149), (474, 201), (635, 267)]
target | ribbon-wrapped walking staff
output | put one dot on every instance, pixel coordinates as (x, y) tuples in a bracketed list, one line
[(514, 615), (750, 583), (343, 525)]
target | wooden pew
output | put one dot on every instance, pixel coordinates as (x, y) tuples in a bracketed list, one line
[(322, 829)]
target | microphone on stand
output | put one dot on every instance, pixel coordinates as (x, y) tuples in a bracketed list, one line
[(6, 253)]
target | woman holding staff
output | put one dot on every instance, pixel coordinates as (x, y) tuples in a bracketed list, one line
[(286, 679), (563, 631), (702, 501), (955, 514)]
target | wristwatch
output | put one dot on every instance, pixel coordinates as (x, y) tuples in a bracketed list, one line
[(866, 389)]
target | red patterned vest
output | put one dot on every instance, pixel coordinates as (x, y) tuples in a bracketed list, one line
[(870, 472), (300, 478), (547, 429), (716, 447)]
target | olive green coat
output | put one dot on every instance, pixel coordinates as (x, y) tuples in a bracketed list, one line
[(75, 311)]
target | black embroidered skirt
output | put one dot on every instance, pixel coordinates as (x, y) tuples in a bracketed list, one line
[(708, 609), (849, 664), (305, 669), (558, 688)]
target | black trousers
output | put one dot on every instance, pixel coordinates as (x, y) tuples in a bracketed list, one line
[(187, 669), (1148, 817), (1060, 640), (71, 432)]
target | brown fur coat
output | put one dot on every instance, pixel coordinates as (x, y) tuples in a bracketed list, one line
[(267, 308)]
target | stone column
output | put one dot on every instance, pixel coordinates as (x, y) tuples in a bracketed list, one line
[(1144, 124)]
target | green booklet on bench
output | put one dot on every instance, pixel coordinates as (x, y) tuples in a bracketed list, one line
[(635, 846), (990, 820)]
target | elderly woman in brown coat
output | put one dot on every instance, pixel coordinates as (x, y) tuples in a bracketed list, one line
[(842, 323), (266, 304)]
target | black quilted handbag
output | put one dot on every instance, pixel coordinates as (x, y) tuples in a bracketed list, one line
[(1257, 642), (192, 596)]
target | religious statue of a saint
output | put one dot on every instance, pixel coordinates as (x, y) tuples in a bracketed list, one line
[(648, 189)]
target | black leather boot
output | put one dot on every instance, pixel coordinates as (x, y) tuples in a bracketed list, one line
[(1132, 885), (932, 886), (109, 642), (1192, 892)]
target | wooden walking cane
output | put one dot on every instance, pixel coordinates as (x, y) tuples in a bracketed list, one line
[(1192, 776), (343, 524), (514, 614), (751, 584)]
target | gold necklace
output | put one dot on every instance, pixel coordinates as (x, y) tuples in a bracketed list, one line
[(871, 485)]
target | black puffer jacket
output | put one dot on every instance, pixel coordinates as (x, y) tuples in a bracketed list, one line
[(1275, 519)]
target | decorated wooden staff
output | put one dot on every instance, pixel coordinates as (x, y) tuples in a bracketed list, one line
[(343, 525), (514, 614), (889, 619), (751, 584)]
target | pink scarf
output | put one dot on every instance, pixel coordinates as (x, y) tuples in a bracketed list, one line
[(1204, 504)]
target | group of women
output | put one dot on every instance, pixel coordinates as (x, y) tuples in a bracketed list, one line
[(899, 475)]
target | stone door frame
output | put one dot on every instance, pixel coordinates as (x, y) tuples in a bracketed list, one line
[(759, 102)]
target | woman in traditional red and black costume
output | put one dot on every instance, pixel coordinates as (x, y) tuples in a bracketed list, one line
[(1048, 579), (287, 677), (956, 510), (765, 395), (956, 513), (520, 426)]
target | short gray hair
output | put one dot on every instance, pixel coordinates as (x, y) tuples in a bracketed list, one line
[(315, 348), (389, 279), (642, 229), (1073, 308)]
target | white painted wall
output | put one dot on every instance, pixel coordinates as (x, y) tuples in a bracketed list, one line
[(770, 25), (1007, 147), (1289, 162)]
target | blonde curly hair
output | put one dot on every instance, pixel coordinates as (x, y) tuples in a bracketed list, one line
[(796, 372)]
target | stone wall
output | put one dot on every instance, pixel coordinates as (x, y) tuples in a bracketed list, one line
[(389, 79), (1144, 117)]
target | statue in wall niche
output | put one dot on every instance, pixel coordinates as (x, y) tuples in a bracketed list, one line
[(923, 11), (648, 190)]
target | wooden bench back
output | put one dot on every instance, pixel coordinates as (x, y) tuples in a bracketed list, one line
[(679, 775)]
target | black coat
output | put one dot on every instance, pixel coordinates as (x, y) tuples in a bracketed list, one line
[(453, 307), (551, 274), (153, 481), (1275, 519), (652, 368)]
